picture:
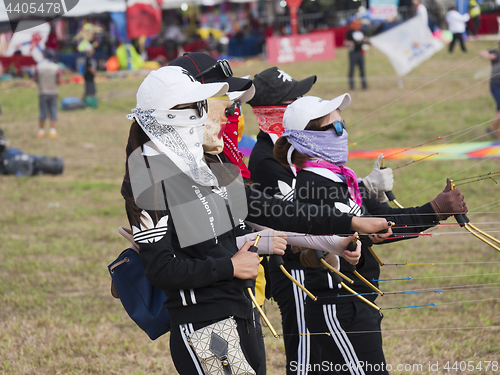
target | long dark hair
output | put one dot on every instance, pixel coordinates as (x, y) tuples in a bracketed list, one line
[(282, 146), (136, 138)]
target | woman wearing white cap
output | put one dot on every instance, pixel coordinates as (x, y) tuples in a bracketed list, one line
[(274, 86), (181, 219), (183, 222), (315, 140)]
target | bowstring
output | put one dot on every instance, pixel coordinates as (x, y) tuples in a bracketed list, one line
[(411, 92), (422, 110)]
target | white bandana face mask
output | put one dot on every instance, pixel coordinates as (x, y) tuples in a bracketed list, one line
[(179, 135), (213, 142)]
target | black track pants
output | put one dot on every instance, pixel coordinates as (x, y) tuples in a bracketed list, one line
[(299, 349), (344, 352)]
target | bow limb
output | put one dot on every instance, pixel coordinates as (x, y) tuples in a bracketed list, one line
[(464, 221), (389, 194)]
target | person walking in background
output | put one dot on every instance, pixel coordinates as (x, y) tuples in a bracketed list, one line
[(354, 41), (494, 56), (174, 38), (456, 24), (475, 13), (90, 72), (47, 75), (421, 11)]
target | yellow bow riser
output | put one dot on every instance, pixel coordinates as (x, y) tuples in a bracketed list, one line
[(390, 195), (321, 258), (248, 284), (334, 270), (312, 296), (271, 328), (279, 260)]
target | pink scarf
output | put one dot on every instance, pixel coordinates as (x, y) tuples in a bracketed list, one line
[(350, 176)]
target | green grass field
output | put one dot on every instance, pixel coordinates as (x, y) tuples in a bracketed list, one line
[(59, 233)]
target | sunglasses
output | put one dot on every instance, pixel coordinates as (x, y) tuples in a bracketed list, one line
[(222, 64), (231, 110), (338, 126), (200, 107)]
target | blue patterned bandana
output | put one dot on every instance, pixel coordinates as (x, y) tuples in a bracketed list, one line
[(324, 145)]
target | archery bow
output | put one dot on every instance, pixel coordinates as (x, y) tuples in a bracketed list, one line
[(249, 284), (352, 268), (464, 222), (336, 275), (389, 194), (279, 260)]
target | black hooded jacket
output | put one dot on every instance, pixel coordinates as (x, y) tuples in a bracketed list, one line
[(319, 189), (198, 278)]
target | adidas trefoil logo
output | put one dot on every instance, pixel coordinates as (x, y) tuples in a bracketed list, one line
[(148, 233), (220, 191), (287, 191)]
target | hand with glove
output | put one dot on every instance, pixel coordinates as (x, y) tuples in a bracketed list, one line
[(272, 242), (379, 180), (308, 258), (449, 202)]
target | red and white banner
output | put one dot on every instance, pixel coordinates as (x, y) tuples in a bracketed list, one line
[(315, 46), (143, 18)]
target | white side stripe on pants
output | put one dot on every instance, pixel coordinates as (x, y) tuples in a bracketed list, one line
[(303, 350), (187, 329), (341, 339)]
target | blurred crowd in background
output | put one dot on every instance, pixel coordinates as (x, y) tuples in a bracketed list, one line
[(226, 30)]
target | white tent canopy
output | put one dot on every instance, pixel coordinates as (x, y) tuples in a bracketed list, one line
[(87, 7), (83, 8), (172, 4)]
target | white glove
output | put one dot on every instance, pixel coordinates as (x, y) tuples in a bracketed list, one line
[(271, 241), (379, 180)]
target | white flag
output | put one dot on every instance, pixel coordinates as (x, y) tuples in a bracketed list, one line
[(31, 40), (407, 45)]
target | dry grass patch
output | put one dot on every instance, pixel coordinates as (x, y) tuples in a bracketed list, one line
[(58, 233)]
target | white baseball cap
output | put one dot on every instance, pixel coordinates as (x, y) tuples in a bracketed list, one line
[(172, 85), (301, 111)]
